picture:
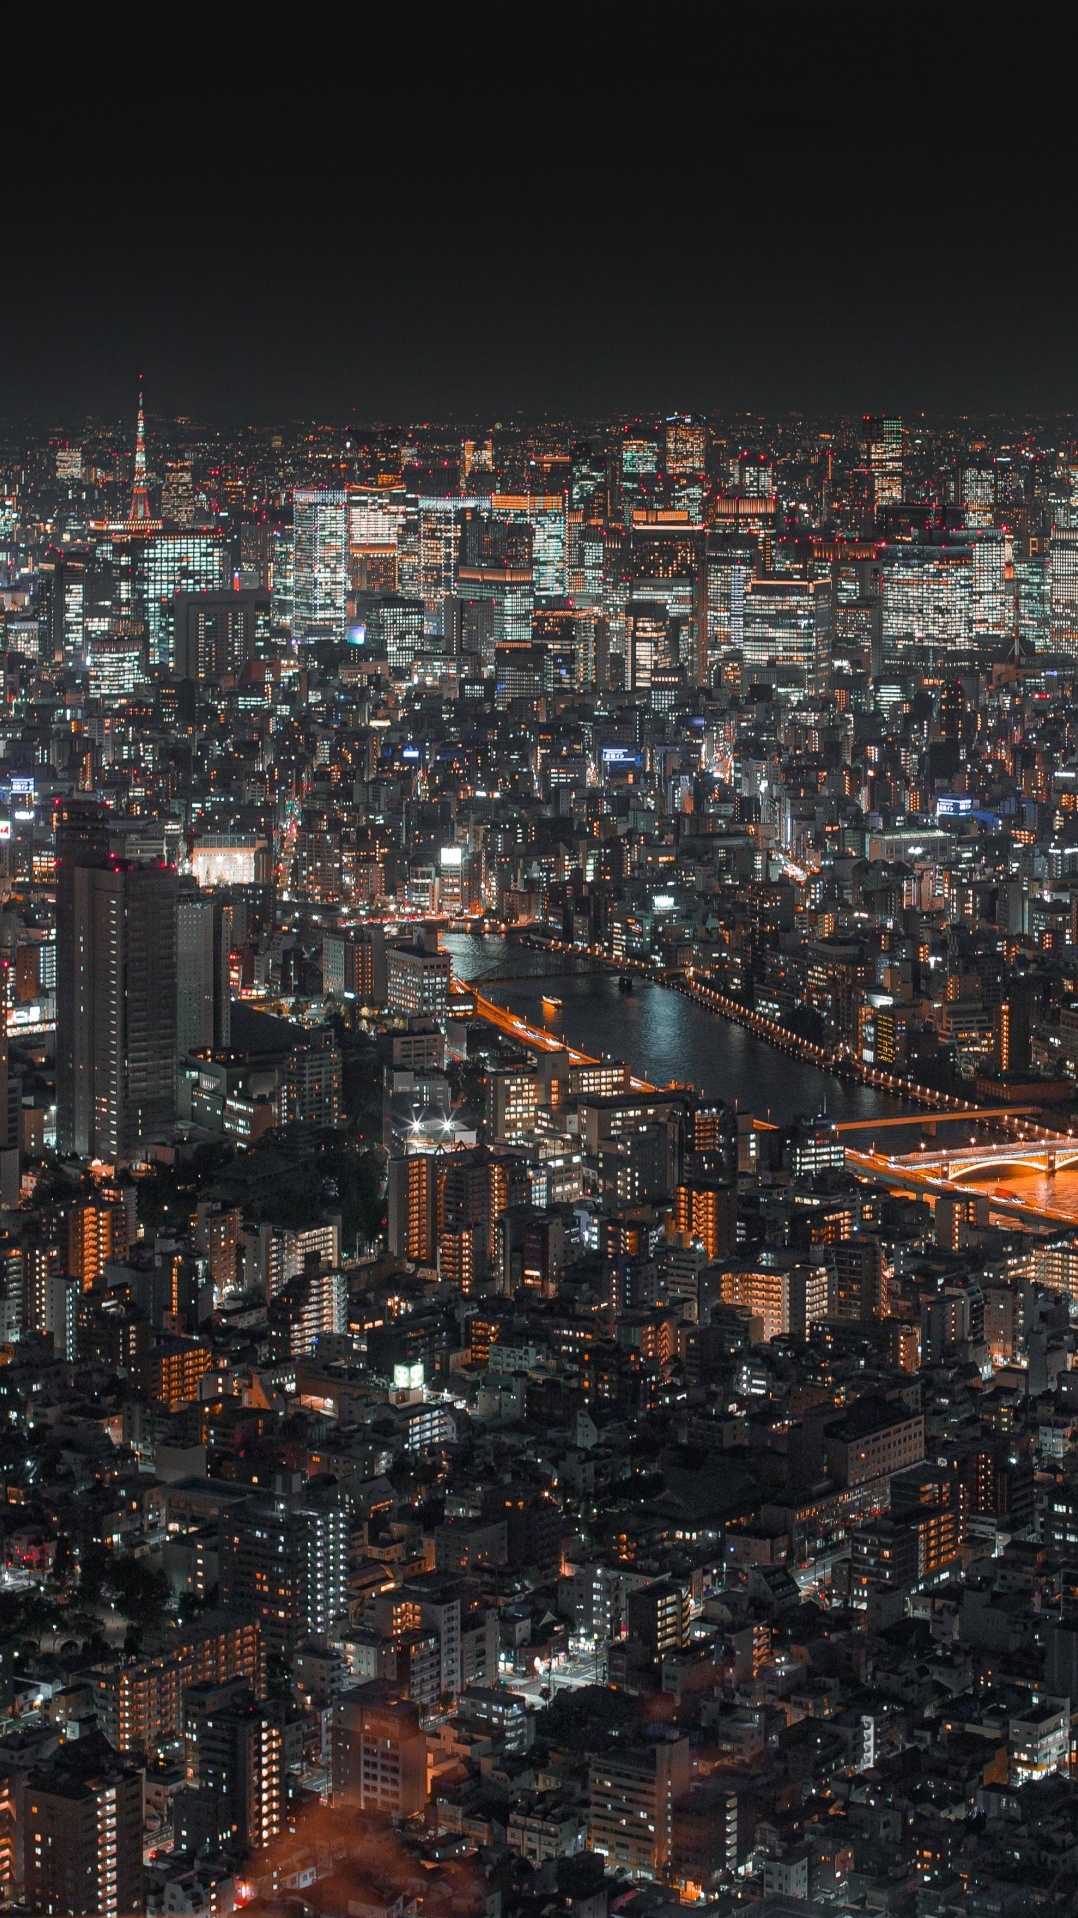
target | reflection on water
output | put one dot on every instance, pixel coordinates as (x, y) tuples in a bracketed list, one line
[(1058, 1194), (663, 1036)]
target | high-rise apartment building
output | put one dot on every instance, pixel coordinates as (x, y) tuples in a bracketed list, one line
[(116, 994), (379, 1751), (81, 1815), (411, 1207), (240, 1750), (50, 1298), (632, 1792), (320, 564), (790, 1300), (284, 1561)]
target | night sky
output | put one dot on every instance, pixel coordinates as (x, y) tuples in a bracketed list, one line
[(515, 213)]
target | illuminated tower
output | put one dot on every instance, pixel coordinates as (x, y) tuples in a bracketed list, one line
[(140, 515)]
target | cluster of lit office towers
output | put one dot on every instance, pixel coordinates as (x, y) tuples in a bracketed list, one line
[(648, 557)]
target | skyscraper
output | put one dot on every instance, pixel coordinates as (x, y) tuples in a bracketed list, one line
[(667, 567), (927, 597), (883, 453), (686, 444), (192, 561), (320, 577), (202, 985), (214, 634), (1063, 590), (787, 624), (649, 628), (116, 993)]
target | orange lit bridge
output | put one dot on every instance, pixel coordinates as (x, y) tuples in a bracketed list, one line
[(955, 1164)]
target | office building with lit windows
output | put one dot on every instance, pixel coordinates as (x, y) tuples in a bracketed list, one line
[(729, 564), (648, 627), (545, 516), (1063, 589), (354, 964), (116, 660), (686, 444), (787, 626), (512, 1100), (883, 452), (215, 634), (203, 1001), (187, 561), (511, 592), (417, 981), (320, 568), (927, 599)]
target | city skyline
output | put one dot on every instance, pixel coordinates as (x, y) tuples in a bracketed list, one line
[(538, 1026)]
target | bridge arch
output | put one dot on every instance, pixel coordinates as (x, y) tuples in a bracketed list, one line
[(962, 1168)]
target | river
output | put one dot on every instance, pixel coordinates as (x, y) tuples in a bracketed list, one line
[(662, 1036)]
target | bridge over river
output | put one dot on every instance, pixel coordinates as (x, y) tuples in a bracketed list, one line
[(959, 1164)]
